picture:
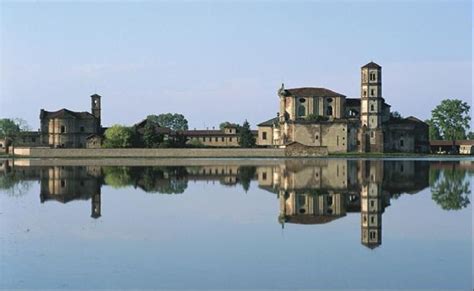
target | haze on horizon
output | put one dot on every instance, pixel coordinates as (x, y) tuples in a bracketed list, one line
[(224, 61)]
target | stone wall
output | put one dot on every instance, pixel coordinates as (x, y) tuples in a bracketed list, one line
[(151, 153), (299, 150), (332, 135)]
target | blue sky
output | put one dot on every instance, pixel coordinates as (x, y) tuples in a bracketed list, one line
[(216, 61)]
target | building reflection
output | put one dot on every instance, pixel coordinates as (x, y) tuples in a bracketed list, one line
[(66, 183), (310, 192), (322, 191)]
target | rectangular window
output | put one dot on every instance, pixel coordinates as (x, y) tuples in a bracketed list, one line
[(222, 139), (82, 128), (264, 135), (372, 92), (230, 139), (401, 143), (216, 139), (264, 176), (33, 139), (63, 129)]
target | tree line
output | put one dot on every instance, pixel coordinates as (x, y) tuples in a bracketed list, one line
[(120, 136)]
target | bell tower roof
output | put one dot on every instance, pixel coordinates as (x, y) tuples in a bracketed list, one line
[(372, 65)]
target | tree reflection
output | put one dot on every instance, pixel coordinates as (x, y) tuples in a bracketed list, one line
[(246, 175), (117, 177), (13, 185), (165, 180), (450, 188)]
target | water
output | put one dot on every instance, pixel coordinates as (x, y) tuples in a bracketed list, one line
[(215, 224)]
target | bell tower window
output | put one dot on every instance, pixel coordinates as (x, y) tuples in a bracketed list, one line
[(301, 107), (329, 111)]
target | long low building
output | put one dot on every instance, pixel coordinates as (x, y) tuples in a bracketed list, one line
[(464, 147)]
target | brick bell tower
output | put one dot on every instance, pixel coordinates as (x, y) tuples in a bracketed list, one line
[(371, 104), (95, 108)]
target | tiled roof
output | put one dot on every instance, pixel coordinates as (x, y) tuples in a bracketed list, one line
[(65, 113), (200, 132), (352, 101), (311, 219), (450, 142), (372, 65), (269, 122), (408, 120), (311, 91)]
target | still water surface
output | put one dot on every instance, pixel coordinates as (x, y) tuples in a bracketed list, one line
[(336, 223)]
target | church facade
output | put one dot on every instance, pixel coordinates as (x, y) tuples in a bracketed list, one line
[(70, 129), (319, 117)]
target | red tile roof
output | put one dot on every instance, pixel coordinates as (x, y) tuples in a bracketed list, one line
[(312, 91), (65, 113)]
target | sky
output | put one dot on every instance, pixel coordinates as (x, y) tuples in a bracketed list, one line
[(224, 61)]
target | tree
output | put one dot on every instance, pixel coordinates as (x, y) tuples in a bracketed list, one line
[(22, 124), (8, 127), (452, 118), (174, 121), (151, 139), (433, 130), (118, 136), (470, 135), (226, 124), (395, 115), (246, 138)]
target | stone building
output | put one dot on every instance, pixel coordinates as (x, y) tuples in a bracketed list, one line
[(319, 117), (70, 129), (226, 137)]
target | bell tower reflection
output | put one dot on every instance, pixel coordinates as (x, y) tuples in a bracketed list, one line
[(319, 192), (372, 205), (65, 184), (96, 200)]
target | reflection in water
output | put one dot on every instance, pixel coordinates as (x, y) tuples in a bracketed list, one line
[(449, 187), (308, 191)]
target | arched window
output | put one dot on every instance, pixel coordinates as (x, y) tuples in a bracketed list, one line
[(371, 107), (329, 111), (301, 110)]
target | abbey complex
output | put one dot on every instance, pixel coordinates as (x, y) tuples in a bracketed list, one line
[(323, 118), (308, 117)]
